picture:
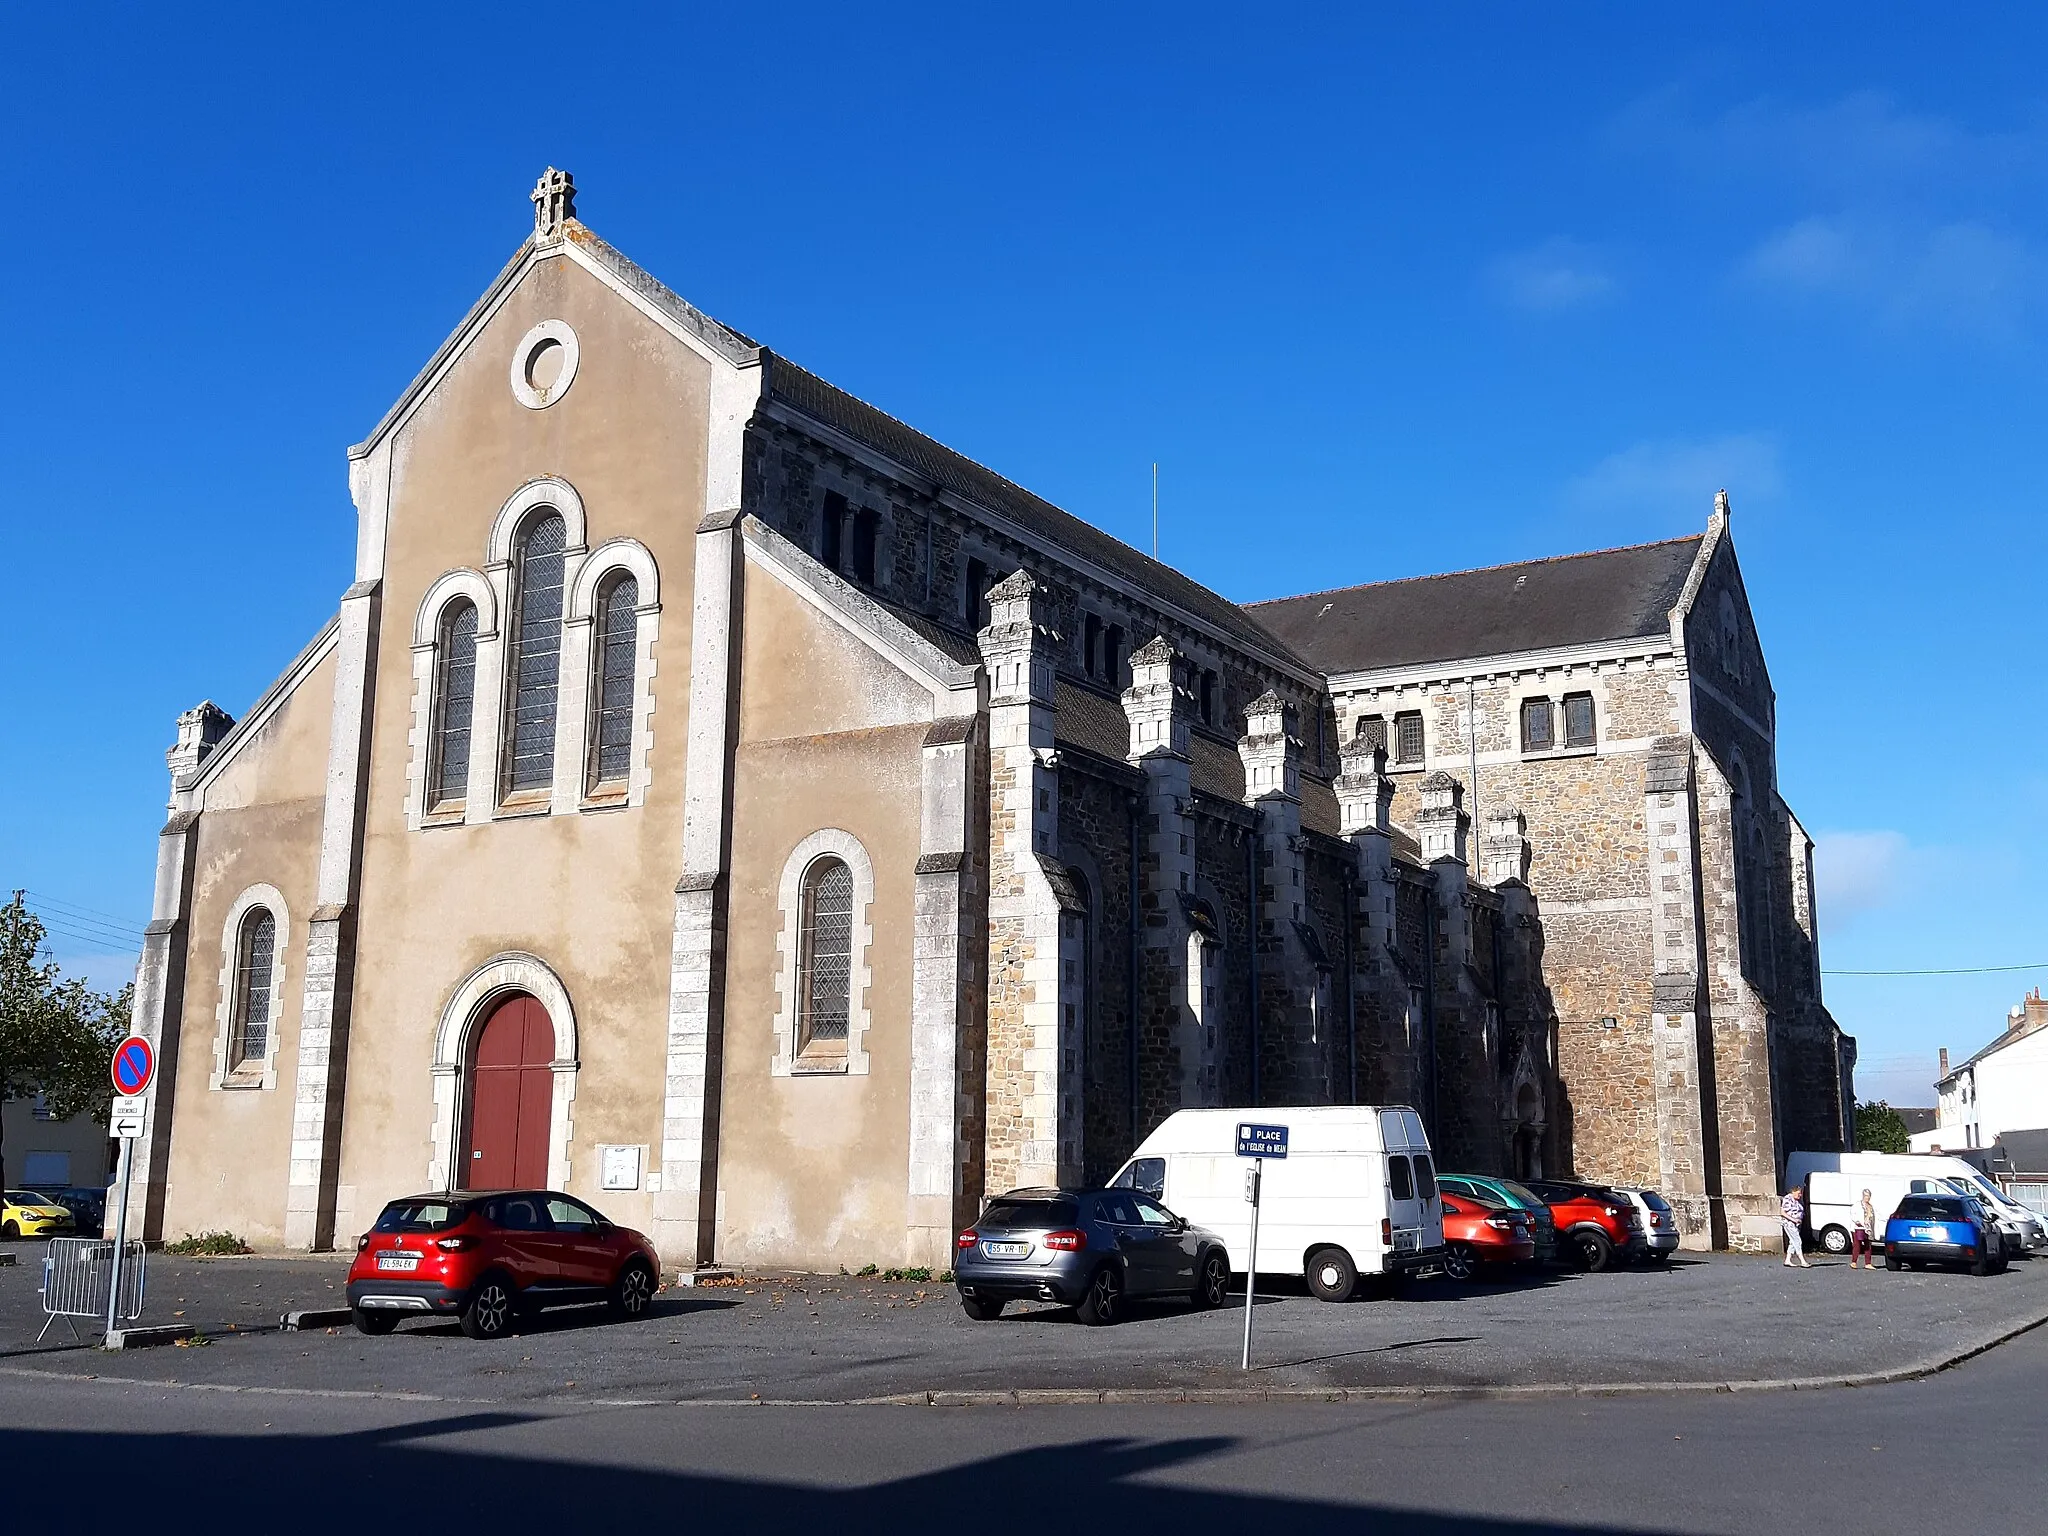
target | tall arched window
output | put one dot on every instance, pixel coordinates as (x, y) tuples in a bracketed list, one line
[(255, 951), (454, 693), (536, 661), (825, 956), (617, 649)]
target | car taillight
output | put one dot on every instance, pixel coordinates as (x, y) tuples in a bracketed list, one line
[(1501, 1222), (1070, 1240), (1386, 1231), (454, 1244), (967, 1239), (362, 1242)]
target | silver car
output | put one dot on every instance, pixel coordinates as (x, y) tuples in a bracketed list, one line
[(1660, 1222), (1090, 1249)]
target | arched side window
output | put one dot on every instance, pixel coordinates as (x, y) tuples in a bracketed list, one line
[(253, 944), (534, 671), (454, 702), (614, 663), (255, 954), (822, 946), (825, 957)]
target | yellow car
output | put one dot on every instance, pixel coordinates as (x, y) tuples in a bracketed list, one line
[(23, 1213)]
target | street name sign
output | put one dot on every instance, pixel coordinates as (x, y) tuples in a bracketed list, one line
[(1261, 1140)]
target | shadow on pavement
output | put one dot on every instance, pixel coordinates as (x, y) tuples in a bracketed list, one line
[(391, 1466), (1377, 1349)]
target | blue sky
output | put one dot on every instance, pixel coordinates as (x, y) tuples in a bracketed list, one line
[(1383, 292)]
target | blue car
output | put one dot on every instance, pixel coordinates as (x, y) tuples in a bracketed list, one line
[(1943, 1229)]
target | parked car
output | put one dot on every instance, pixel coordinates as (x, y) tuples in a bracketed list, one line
[(1091, 1249), (1832, 1200), (1355, 1195), (1509, 1195), (1660, 1222), (1595, 1224), (1478, 1237), (24, 1213), (88, 1207), (485, 1258), (1943, 1229)]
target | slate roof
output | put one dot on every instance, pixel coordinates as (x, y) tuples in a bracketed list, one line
[(806, 392), (1611, 594), (2025, 1151)]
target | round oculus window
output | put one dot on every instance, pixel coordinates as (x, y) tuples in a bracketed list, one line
[(544, 364)]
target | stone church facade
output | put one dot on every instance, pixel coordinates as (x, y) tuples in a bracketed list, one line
[(717, 799)]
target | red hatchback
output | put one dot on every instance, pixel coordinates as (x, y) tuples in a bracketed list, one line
[(486, 1257), (1595, 1225), (1476, 1235)]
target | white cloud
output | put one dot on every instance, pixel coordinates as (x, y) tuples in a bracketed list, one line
[(1557, 274), (1679, 476), (1962, 275), (1859, 872)]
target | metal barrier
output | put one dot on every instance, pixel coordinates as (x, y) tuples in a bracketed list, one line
[(77, 1274)]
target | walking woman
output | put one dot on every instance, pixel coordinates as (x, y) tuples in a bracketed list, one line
[(1859, 1240), (1791, 1214)]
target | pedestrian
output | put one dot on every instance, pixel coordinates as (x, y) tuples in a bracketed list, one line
[(1866, 1226), (1791, 1213)]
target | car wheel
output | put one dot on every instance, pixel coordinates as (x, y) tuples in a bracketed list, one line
[(982, 1310), (489, 1314), (1834, 1240), (375, 1324), (1892, 1261), (1592, 1250), (1981, 1265), (1212, 1280), (633, 1291), (1331, 1274), (1104, 1299), (1459, 1262), (10, 1231)]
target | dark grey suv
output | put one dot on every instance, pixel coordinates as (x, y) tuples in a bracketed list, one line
[(1091, 1249)]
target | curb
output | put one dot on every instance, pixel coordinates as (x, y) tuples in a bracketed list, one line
[(314, 1317), (1064, 1397), (142, 1338)]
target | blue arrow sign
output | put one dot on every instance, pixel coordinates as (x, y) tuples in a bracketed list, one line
[(1261, 1140)]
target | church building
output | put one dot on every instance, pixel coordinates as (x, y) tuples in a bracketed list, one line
[(719, 800)]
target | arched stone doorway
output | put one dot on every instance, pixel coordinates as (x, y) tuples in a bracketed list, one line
[(459, 1046), (509, 1096), (1527, 1160)]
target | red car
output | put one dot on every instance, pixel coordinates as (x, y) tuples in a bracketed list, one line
[(486, 1257), (1594, 1224), (1477, 1235)]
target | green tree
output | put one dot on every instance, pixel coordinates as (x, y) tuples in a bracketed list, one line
[(1879, 1128), (57, 1035)]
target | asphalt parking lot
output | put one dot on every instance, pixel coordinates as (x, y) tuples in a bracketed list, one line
[(1718, 1318)]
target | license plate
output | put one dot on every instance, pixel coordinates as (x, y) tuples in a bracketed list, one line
[(398, 1261), (1006, 1250), (1403, 1240)]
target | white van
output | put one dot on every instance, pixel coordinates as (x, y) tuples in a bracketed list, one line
[(1835, 1182), (1355, 1195)]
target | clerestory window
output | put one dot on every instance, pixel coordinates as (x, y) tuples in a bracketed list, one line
[(454, 697), (1539, 725), (825, 957), (616, 652), (536, 655), (1578, 720), (1408, 736), (255, 954)]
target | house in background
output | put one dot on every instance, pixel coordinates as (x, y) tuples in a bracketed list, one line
[(43, 1152), (2003, 1087)]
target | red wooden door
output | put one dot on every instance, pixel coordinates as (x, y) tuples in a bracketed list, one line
[(511, 1098)]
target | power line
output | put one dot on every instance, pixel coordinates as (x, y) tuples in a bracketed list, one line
[(1955, 970), (89, 914)]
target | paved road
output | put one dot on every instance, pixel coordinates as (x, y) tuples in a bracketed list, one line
[(1873, 1460), (1726, 1318)]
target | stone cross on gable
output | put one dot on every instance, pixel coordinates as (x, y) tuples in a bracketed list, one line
[(554, 202)]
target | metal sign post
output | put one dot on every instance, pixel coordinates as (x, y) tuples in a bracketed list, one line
[(133, 1067), (1257, 1142)]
